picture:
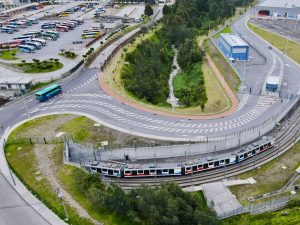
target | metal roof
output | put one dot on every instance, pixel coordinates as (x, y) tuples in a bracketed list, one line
[(234, 40), (281, 3), (273, 80), (15, 80)]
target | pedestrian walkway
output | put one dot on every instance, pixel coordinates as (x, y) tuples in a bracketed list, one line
[(221, 199)]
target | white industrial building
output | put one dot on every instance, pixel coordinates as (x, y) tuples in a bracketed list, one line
[(15, 83), (279, 9)]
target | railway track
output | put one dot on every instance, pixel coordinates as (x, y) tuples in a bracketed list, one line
[(283, 141)]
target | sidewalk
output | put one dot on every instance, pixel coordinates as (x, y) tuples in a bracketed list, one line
[(24, 193)]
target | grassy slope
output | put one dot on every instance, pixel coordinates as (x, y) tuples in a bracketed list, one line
[(273, 218), (269, 177), (279, 42), (226, 30), (222, 64)]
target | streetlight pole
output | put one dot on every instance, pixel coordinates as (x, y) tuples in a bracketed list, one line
[(60, 196)]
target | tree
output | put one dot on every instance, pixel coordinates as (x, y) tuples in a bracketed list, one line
[(166, 9), (148, 10)]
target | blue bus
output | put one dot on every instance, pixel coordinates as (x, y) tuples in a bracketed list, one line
[(26, 48), (48, 92)]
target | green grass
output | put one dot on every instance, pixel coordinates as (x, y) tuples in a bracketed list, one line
[(270, 177), (41, 85), (8, 54), (42, 68), (226, 30), (272, 218), (24, 163), (223, 66), (293, 49)]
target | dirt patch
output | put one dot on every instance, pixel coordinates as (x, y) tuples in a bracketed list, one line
[(48, 169)]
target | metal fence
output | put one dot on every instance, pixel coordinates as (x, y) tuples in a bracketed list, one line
[(268, 206)]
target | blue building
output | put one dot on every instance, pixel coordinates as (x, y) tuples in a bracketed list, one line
[(234, 47)]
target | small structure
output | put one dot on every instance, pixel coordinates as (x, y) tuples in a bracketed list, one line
[(112, 24), (272, 84), (15, 83), (234, 47), (279, 9)]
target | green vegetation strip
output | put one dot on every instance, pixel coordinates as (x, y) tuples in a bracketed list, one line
[(38, 66), (223, 66), (8, 54), (226, 30), (293, 48)]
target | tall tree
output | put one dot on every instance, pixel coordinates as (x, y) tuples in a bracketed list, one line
[(148, 10)]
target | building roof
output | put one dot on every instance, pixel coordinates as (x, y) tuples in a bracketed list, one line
[(273, 80), (234, 40), (281, 3), (15, 80)]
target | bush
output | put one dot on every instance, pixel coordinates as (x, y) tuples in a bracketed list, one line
[(294, 202)]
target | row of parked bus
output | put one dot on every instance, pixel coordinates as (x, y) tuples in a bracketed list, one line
[(63, 26), (13, 25), (93, 32)]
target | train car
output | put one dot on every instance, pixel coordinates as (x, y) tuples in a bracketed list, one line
[(138, 170), (255, 148), (113, 169), (198, 165)]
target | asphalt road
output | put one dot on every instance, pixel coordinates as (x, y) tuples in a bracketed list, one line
[(14, 210), (83, 95)]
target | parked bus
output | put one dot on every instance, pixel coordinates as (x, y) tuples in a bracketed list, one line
[(23, 37), (28, 22), (48, 25), (33, 21), (34, 44), (79, 20), (48, 92), (12, 44), (14, 24), (33, 33), (15, 28), (49, 36), (56, 34), (26, 48), (7, 30), (90, 35), (41, 41), (62, 28), (21, 24), (70, 25), (64, 14)]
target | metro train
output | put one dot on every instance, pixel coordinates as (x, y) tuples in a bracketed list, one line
[(125, 170)]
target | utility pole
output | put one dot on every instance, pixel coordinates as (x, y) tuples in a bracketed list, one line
[(60, 196)]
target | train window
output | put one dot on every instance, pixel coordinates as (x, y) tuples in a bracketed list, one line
[(217, 163), (194, 168), (266, 145), (222, 161), (205, 165), (140, 171), (110, 172), (211, 163), (116, 171), (165, 170), (146, 172), (253, 152), (188, 168), (158, 172), (245, 155), (261, 147), (134, 172), (127, 172), (104, 170), (256, 149), (200, 166), (99, 170), (152, 171), (227, 161), (171, 171), (269, 144)]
